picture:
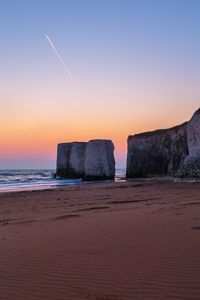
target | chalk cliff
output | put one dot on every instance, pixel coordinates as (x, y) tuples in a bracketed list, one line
[(77, 160), (99, 162), (71, 159), (191, 164), (91, 161), (63, 157), (168, 152)]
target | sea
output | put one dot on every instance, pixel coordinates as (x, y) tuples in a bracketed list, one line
[(40, 179)]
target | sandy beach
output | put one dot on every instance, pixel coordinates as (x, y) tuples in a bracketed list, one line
[(107, 241)]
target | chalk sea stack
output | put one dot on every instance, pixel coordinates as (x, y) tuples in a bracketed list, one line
[(166, 152), (70, 159), (76, 160), (93, 160), (99, 161), (63, 157)]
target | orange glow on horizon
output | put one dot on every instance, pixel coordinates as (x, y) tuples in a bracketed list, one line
[(28, 140)]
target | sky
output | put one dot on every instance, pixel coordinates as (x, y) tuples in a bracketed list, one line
[(135, 66)]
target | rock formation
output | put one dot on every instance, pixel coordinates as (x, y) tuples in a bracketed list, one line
[(77, 160), (63, 157), (91, 161), (168, 152), (99, 161), (70, 159), (191, 165)]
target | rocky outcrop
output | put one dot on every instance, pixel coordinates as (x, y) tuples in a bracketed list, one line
[(77, 160), (193, 134), (99, 162), (63, 157), (91, 161), (168, 152), (191, 165), (70, 159)]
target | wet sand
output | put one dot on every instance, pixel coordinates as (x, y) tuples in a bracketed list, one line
[(108, 241)]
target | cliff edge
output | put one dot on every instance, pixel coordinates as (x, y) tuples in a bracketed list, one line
[(166, 152)]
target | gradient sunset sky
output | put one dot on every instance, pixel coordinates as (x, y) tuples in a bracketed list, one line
[(135, 64)]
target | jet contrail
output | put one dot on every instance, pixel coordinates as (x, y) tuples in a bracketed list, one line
[(59, 57)]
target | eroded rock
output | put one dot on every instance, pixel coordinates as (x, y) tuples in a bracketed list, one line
[(191, 164), (63, 157), (168, 152), (77, 160), (91, 161), (99, 161)]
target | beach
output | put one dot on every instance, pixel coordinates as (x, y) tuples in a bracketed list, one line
[(138, 239)]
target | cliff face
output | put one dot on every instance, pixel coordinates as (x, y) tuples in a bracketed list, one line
[(92, 161), (63, 157), (99, 162), (193, 134), (70, 159), (191, 164), (77, 160), (168, 152)]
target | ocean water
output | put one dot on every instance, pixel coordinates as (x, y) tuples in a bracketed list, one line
[(23, 180)]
